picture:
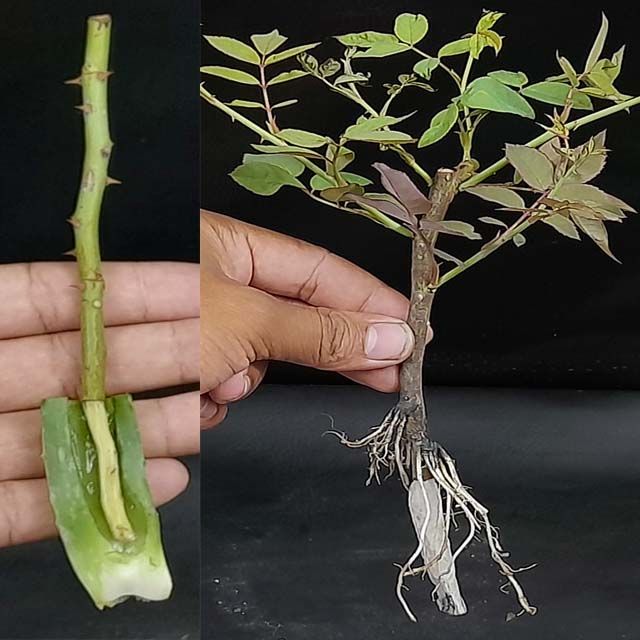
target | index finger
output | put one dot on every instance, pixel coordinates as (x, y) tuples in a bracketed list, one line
[(292, 268)]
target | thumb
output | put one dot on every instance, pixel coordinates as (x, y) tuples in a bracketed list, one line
[(336, 340)]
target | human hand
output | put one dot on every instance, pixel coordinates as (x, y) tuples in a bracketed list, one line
[(266, 296), (151, 314)]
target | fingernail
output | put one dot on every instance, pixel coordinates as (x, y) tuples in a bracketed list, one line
[(233, 388), (388, 341), (208, 408)]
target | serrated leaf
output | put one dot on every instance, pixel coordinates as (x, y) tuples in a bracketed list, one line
[(519, 240), (459, 228), (598, 45), (382, 50), (534, 167), (300, 138), (287, 149), (591, 195), (557, 93), (440, 125), (511, 78), (285, 103), (424, 68), (365, 38), (488, 94), (500, 195), (267, 43), (494, 221), (290, 53), (411, 27), (563, 225), (591, 159), (247, 104), (235, 75), (286, 76), (234, 48), (463, 45), (291, 165), (401, 187), (596, 230), (263, 178)]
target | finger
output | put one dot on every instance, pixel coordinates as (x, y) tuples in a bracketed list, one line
[(26, 515), (211, 413), (292, 268), (240, 385), (167, 428), (141, 357), (330, 339), (43, 297), (385, 380)]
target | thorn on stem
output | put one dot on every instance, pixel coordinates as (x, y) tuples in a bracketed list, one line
[(71, 252), (110, 181), (85, 108), (77, 80), (103, 75), (73, 222)]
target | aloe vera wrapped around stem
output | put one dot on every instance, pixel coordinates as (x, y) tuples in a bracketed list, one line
[(92, 451)]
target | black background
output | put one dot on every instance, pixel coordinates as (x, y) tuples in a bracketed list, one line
[(152, 216), (554, 313)]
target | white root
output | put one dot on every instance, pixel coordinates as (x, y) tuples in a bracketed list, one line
[(388, 449)]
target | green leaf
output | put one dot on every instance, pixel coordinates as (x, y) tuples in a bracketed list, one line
[(424, 68), (336, 194), (367, 125), (290, 53), (570, 73), (263, 178), (596, 230), (286, 76), (285, 103), (519, 240), (300, 138), (347, 78), (365, 38), (511, 78), (591, 158), (319, 183), (234, 48), (534, 167), (488, 94), (329, 68), (354, 178), (290, 164), (501, 195), (383, 49), (488, 20), (344, 156), (235, 75), (557, 93), (266, 43), (247, 104), (598, 45), (563, 225), (480, 41), (447, 256), (440, 125), (590, 194), (411, 27), (381, 137), (287, 149), (455, 48), (459, 228), (493, 221)]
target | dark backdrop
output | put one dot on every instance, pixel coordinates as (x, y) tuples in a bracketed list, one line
[(554, 313), (152, 216)]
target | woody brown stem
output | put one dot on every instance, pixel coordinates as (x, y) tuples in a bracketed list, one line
[(424, 276)]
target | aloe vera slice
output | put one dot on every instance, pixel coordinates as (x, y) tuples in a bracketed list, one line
[(110, 570)]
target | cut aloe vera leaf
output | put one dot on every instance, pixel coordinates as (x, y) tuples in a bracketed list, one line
[(111, 571)]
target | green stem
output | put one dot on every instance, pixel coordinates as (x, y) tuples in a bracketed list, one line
[(271, 120), (487, 250), (550, 135), (86, 221), (466, 131)]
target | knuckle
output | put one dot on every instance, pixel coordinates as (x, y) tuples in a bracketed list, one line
[(338, 338)]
